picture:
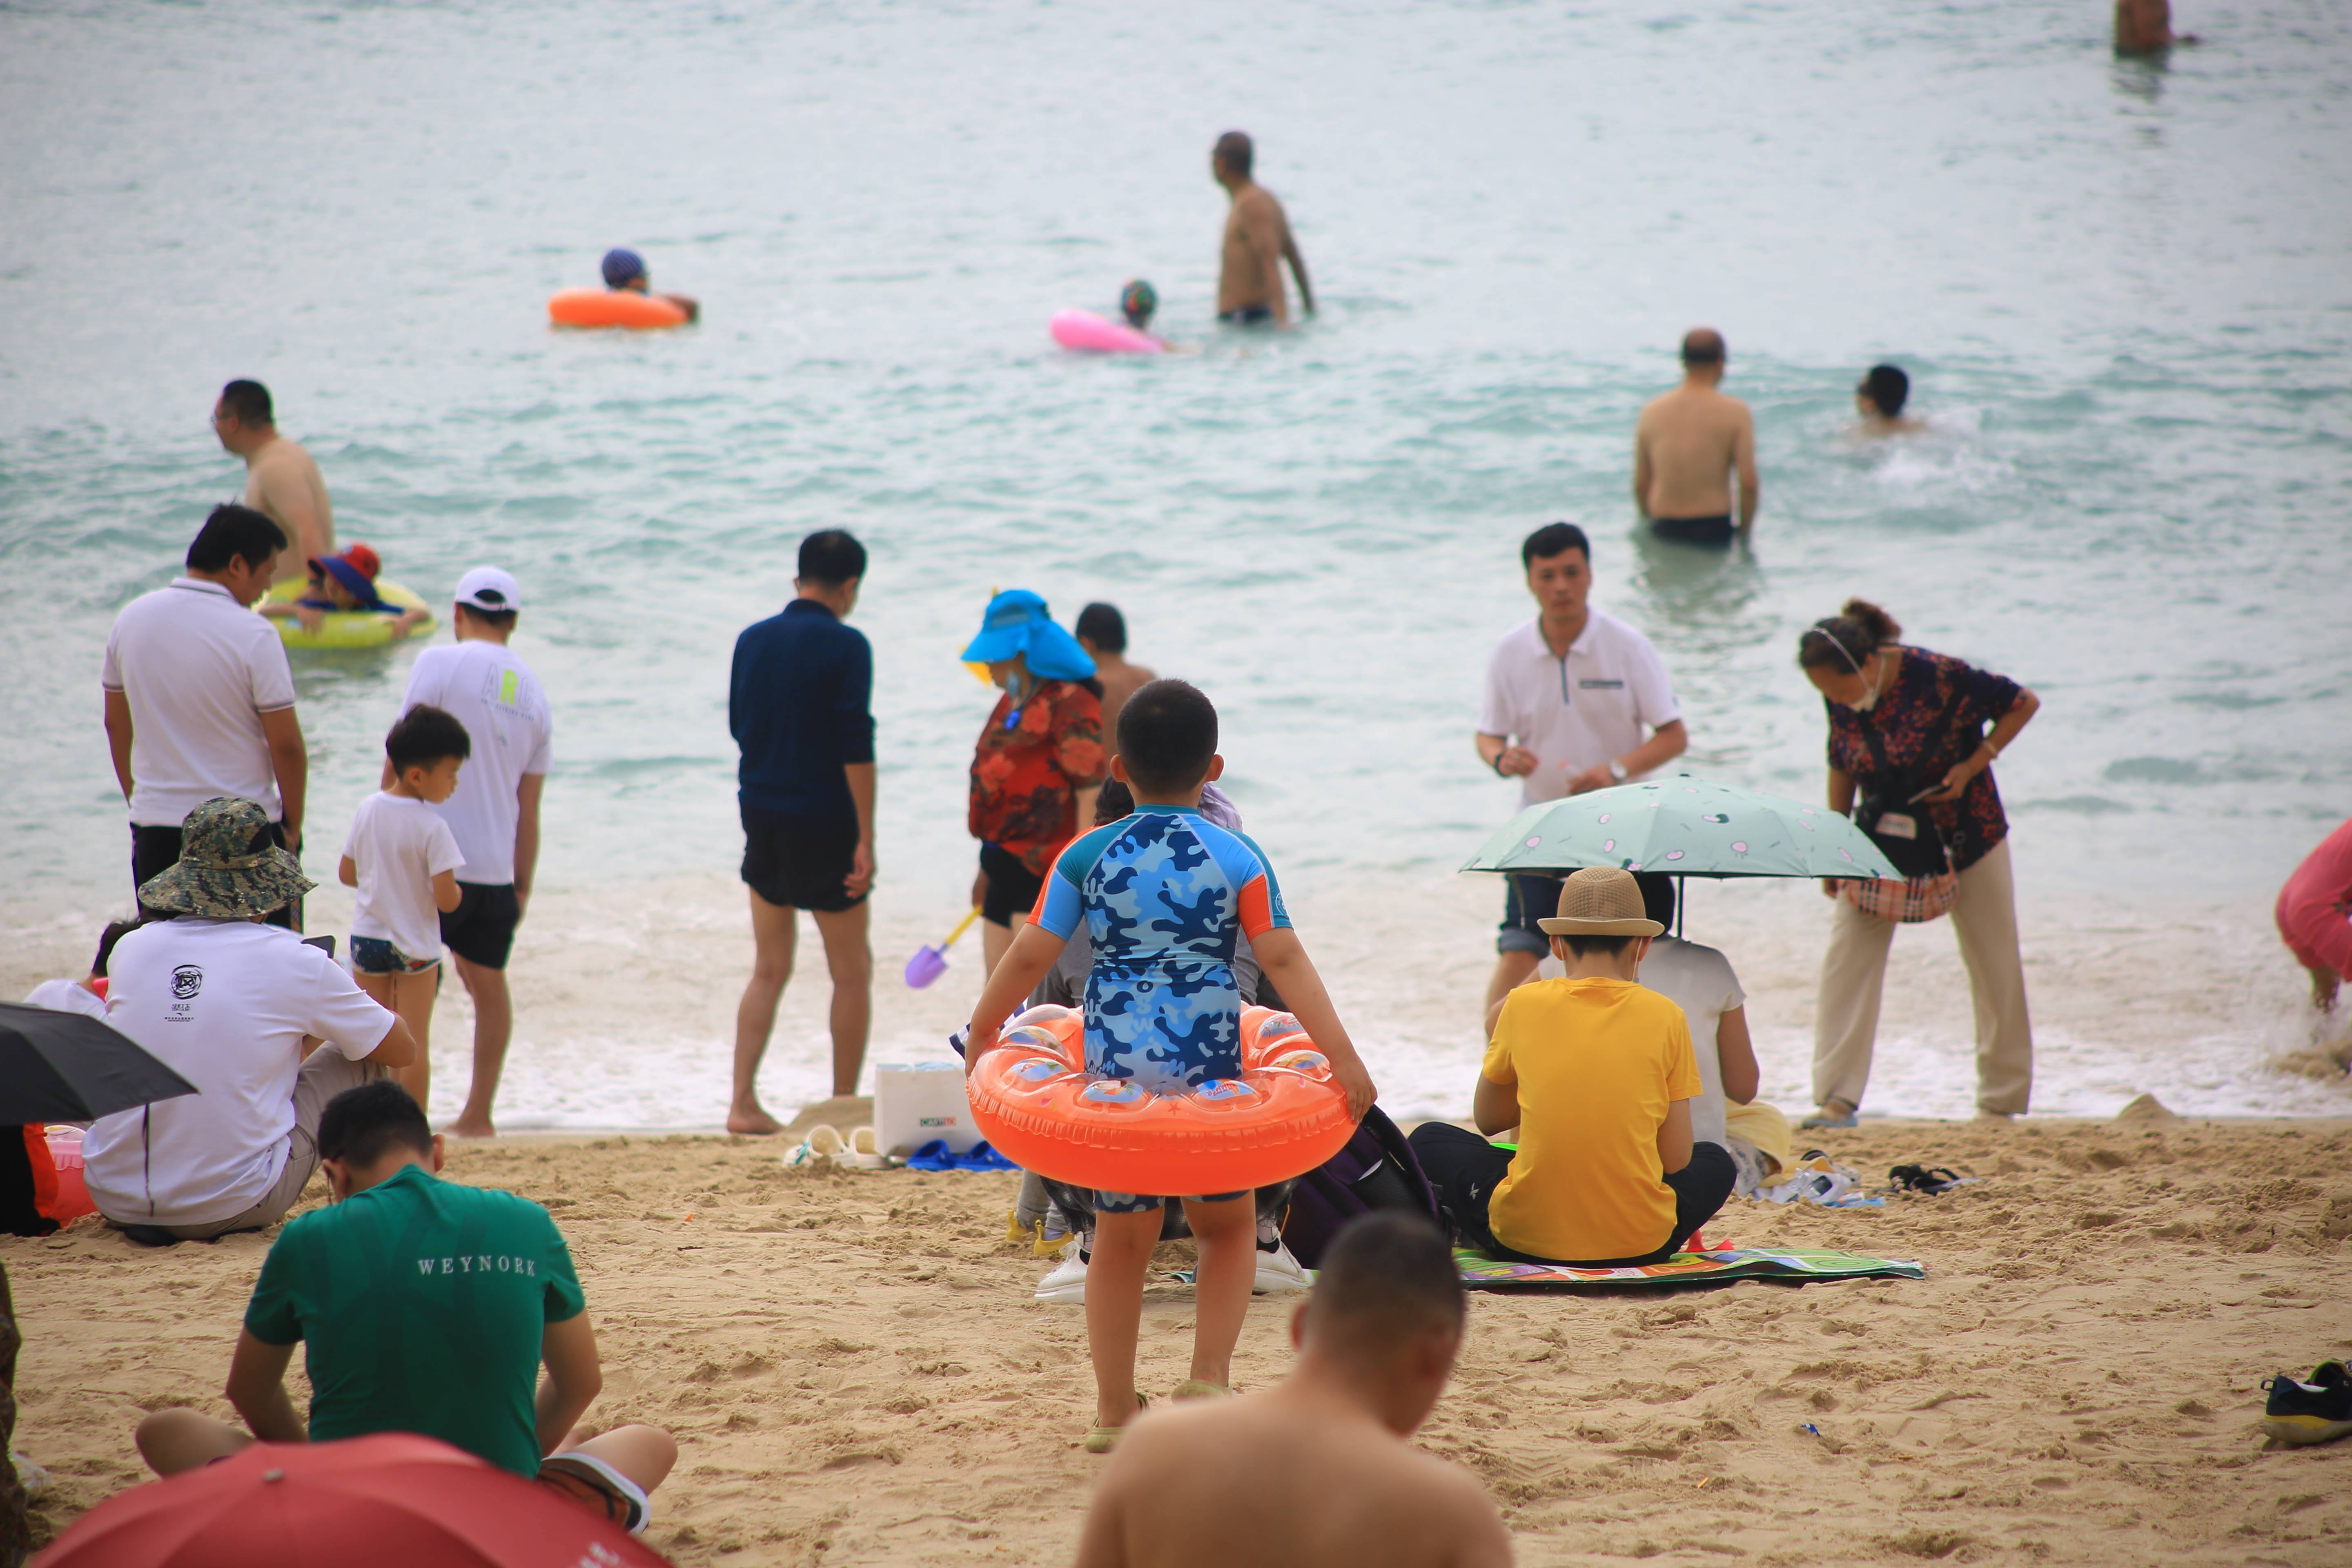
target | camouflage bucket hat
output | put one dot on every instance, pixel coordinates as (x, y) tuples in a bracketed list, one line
[(229, 868)]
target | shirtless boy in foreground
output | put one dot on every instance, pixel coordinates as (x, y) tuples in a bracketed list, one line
[(1687, 446), (1257, 242), (280, 480), (1315, 1471)]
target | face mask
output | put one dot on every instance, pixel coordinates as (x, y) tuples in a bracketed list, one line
[(1869, 701)]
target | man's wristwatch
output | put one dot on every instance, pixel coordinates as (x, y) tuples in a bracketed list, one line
[(1616, 770)]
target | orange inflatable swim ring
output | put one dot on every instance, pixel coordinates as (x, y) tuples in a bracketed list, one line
[(612, 308), (1038, 1106)]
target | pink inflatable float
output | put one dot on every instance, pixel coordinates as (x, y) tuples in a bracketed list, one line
[(1085, 329)]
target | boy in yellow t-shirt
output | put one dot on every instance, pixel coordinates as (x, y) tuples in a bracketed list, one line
[(1597, 1074)]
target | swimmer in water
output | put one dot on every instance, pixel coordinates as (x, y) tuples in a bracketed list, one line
[(624, 272), (1879, 398), (1257, 242), (1136, 304), (345, 584)]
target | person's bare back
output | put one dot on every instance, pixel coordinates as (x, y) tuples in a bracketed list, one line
[(281, 481), (1690, 443), (1257, 242)]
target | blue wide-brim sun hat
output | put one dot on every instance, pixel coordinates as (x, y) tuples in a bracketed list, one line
[(353, 580), (1017, 622)]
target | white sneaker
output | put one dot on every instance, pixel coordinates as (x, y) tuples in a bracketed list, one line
[(1278, 1270), (1068, 1282)]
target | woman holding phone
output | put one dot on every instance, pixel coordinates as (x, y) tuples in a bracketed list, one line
[(1910, 759)]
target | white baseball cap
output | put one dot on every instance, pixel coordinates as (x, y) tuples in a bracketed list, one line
[(488, 588)]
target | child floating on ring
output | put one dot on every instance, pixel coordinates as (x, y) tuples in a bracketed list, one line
[(1138, 302), (624, 273), (344, 582), (1165, 893)]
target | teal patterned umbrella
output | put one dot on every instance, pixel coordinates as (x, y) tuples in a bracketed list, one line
[(1684, 826)]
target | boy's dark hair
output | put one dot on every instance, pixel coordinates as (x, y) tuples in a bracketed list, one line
[(115, 931), (234, 533), (1104, 627), (1167, 735), (1886, 387), (1113, 801), (424, 735), (1387, 1278), (249, 400), (830, 557), (360, 1125), (1580, 945), (502, 619), (1553, 539)]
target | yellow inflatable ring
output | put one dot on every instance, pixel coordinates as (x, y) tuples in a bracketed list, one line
[(349, 629)]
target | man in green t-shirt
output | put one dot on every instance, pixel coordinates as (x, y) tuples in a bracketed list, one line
[(426, 1307)]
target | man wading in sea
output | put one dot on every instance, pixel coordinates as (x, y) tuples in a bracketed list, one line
[(1686, 447), (1257, 242), (281, 483)]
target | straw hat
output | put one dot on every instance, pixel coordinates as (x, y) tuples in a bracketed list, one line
[(229, 868), (1601, 901)]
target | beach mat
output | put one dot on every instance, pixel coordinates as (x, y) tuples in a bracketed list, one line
[(1480, 1272)]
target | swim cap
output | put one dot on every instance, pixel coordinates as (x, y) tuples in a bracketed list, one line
[(1137, 300), (623, 267)]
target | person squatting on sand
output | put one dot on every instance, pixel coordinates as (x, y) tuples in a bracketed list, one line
[(2311, 915), (1038, 761), (1908, 730), (1575, 701), (282, 481), (200, 697), (403, 859), (1377, 1341), (1689, 445), (493, 812), (1597, 1074), (1165, 894), (800, 706), (424, 1307), (227, 1002)]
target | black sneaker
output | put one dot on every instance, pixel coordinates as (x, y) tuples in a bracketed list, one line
[(2319, 1411)]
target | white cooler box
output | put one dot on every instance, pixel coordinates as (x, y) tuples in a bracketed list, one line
[(915, 1103)]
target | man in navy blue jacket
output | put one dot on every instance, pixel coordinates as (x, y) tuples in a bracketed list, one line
[(800, 707)]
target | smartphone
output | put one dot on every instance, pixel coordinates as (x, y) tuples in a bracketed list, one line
[(325, 944)]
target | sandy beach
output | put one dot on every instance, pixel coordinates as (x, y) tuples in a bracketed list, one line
[(857, 1373)]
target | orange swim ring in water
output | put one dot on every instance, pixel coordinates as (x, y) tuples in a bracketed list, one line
[(612, 308), (1038, 1106)]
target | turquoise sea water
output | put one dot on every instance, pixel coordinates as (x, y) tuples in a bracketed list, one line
[(2124, 292)]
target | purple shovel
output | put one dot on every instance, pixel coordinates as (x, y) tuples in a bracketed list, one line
[(930, 963)]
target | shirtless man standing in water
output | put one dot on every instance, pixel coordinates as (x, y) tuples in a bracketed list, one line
[(1257, 242), (1688, 444), (280, 480)]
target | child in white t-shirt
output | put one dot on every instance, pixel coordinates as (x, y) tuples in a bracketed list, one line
[(403, 860)]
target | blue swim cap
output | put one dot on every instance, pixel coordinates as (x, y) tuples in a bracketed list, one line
[(623, 267), (1137, 300)]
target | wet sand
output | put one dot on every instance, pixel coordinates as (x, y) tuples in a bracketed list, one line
[(857, 1373)]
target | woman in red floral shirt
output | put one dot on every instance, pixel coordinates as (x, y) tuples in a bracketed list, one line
[(1907, 735), (1039, 760)]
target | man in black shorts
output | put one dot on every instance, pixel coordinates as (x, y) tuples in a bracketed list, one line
[(800, 706)]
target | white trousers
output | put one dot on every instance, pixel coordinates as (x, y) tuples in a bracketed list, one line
[(1853, 976)]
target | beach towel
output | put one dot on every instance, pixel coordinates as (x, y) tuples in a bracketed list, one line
[(1480, 1272)]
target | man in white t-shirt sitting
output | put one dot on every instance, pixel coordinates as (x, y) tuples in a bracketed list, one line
[(200, 699), (1575, 701), (494, 812), (228, 1003)]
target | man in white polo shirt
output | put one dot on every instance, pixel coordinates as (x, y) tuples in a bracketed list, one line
[(200, 699), (494, 815), (1575, 701)]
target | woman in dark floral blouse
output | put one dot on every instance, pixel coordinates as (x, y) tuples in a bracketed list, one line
[(1907, 725)]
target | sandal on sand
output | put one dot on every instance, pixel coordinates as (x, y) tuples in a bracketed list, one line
[(1200, 1388), (865, 1151), (1103, 1439), (1825, 1116), (823, 1143)]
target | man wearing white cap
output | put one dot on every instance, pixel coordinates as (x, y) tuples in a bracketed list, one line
[(494, 813)]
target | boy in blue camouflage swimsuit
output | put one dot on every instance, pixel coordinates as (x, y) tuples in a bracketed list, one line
[(1165, 893)]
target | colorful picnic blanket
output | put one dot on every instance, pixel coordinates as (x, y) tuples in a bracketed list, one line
[(1481, 1272)]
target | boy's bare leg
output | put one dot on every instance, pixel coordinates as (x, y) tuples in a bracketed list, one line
[(172, 1441), (849, 957), (775, 930), (493, 1028), (1115, 1269), (413, 995), (996, 941), (1227, 1233)]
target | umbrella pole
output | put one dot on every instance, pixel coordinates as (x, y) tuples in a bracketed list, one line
[(1681, 906)]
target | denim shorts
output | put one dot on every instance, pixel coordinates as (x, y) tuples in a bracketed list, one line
[(374, 955), (1145, 1203)]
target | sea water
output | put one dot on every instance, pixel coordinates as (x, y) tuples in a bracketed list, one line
[(2122, 290)]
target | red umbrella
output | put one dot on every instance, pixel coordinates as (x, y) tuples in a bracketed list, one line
[(389, 1499)]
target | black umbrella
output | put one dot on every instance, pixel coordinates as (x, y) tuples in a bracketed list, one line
[(70, 1067)]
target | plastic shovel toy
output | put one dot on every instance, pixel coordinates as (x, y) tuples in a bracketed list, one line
[(930, 963)]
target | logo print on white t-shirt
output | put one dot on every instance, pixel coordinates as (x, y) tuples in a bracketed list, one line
[(186, 981)]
